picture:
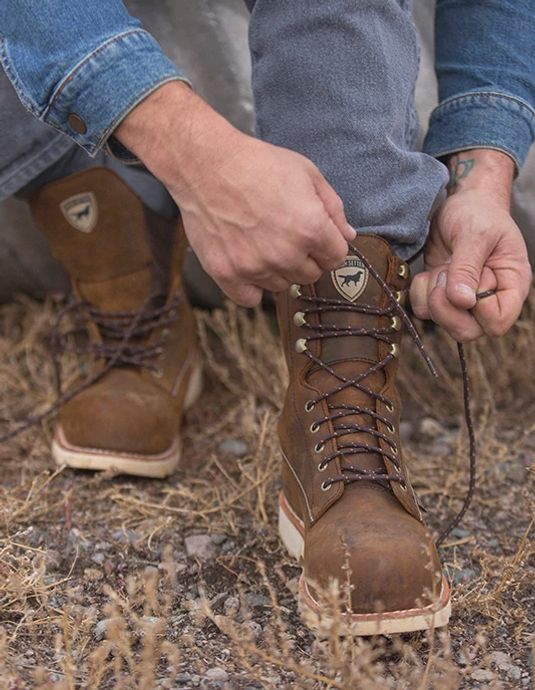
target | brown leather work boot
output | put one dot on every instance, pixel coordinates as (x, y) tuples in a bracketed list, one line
[(143, 364), (347, 508)]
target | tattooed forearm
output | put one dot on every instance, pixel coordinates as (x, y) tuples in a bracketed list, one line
[(460, 168)]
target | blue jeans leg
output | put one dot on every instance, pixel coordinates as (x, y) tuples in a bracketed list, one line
[(335, 81)]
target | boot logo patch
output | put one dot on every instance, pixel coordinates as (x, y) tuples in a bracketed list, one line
[(81, 211), (351, 279)]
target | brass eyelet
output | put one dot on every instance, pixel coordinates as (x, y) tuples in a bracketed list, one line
[(389, 407), (396, 464), (391, 428), (395, 323), (319, 447), (309, 405), (394, 349), (295, 291), (326, 485), (403, 271), (322, 467), (300, 345), (398, 295), (314, 427), (394, 449), (299, 318), (403, 485)]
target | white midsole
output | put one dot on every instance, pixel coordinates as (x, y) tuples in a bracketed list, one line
[(387, 623), (153, 466)]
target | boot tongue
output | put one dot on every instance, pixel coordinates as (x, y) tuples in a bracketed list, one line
[(350, 356), (353, 283), (97, 228)]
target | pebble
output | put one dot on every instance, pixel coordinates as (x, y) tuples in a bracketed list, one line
[(98, 558), (128, 536), (216, 673), (233, 446), (430, 427), (253, 628), (504, 662), (218, 539), (101, 629), (200, 546), (463, 576), (231, 606), (482, 675)]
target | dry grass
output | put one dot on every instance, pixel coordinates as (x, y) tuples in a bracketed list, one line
[(97, 591)]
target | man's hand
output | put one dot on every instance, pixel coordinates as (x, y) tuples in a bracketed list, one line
[(474, 246), (257, 216)]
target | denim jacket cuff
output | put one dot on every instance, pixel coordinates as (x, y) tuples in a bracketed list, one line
[(106, 85), (482, 120)]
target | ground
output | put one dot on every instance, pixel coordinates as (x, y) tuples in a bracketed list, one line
[(114, 582)]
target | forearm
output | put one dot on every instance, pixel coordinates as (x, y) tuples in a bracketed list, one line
[(80, 67), (485, 64)]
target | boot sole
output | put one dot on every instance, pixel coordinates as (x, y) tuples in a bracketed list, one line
[(153, 466), (292, 530)]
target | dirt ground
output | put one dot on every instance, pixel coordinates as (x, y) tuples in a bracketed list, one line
[(114, 582)]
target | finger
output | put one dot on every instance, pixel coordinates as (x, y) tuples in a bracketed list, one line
[(464, 272), (459, 323), (335, 209), (243, 294), (330, 249), (274, 283), (308, 272), (418, 295)]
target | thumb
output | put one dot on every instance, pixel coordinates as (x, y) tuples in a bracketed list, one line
[(464, 272)]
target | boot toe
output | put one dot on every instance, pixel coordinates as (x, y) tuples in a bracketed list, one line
[(122, 413), (391, 564)]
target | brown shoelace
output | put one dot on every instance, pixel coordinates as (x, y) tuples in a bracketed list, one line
[(342, 411), (122, 345)]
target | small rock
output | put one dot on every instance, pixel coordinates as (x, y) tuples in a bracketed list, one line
[(459, 533), (101, 628), (430, 427), (217, 673), (514, 673), (218, 539), (233, 446), (253, 628), (98, 558), (231, 606), (127, 536), (502, 660), (464, 576), (257, 600), (183, 678), (482, 675), (200, 546)]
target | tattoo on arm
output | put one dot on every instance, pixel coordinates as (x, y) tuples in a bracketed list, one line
[(459, 169)]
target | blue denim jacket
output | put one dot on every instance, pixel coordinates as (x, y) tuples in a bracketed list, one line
[(82, 66)]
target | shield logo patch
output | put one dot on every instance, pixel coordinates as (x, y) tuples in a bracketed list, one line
[(350, 280), (81, 211)]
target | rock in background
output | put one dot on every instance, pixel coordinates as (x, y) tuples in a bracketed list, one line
[(208, 40)]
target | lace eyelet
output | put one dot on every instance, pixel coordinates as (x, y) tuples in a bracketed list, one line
[(394, 449), (326, 485), (309, 405), (395, 323), (394, 349), (314, 428), (403, 270), (389, 407), (319, 447), (295, 291), (322, 467), (398, 295), (403, 485), (300, 345), (391, 428), (396, 464), (299, 318)]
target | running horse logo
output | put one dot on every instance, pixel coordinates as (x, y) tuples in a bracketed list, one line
[(350, 280), (80, 211)]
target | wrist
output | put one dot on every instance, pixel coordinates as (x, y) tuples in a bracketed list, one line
[(483, 170), (169, 133)]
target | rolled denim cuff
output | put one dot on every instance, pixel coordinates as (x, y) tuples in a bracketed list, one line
[(482, 120), (106, 85)]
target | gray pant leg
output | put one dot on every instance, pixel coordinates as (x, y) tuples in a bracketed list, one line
[(335, 81)]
